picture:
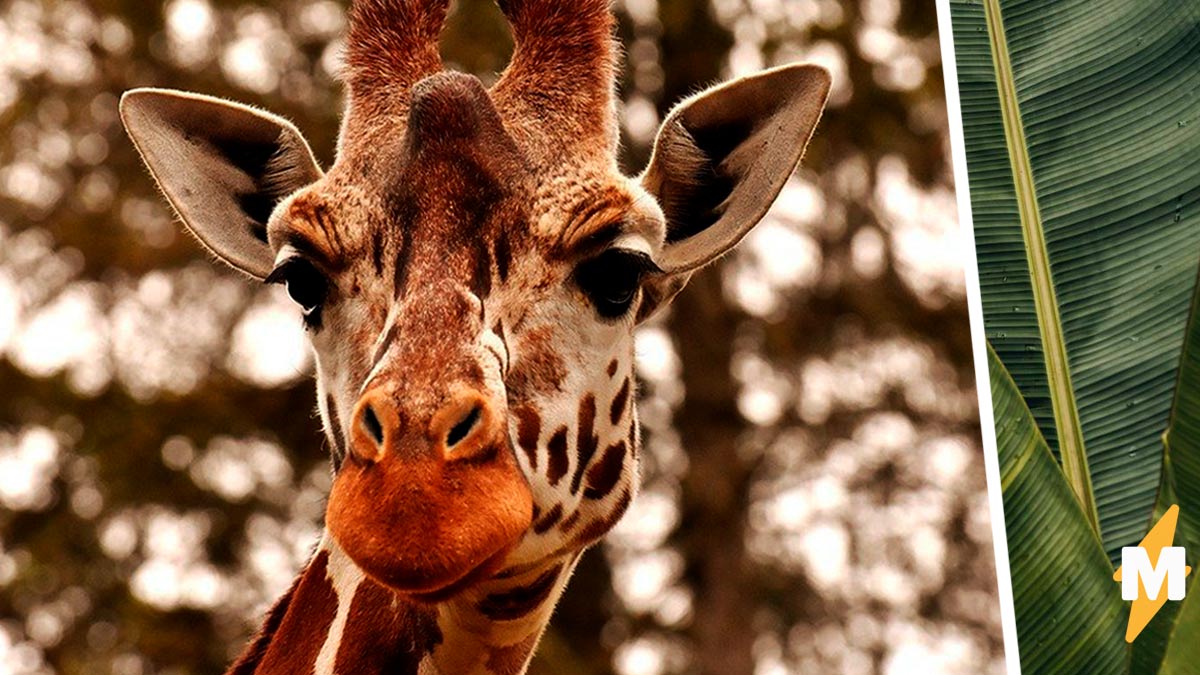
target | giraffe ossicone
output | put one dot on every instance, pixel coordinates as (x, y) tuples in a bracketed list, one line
[(471, 269)]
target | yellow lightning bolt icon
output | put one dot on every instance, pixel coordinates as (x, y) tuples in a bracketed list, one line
[(1144, 609)]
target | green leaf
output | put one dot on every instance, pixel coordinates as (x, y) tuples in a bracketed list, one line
[(1175, 632), (1070, 617), (1183, 649), (1082, 127), (1182, 439)]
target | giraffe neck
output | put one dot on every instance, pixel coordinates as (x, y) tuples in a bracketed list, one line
[(334, 620)]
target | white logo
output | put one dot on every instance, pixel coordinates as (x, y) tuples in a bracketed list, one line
[(1171, 568)]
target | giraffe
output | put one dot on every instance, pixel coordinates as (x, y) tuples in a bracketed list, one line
[(470, 270)]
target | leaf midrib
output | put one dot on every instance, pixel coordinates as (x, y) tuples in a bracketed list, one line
[(1062, 395)]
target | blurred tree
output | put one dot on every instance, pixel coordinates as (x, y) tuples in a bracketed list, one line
[(813, 492)]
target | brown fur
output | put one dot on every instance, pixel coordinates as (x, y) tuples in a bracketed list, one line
[(308, 615), (392, 44), (558, 90), (541, 368), (384, 634), (252, 655)]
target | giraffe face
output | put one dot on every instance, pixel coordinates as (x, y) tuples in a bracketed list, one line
[(471, 270), (473, 340)]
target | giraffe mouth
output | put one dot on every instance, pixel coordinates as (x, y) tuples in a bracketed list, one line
[(428, 527), (481, 573)]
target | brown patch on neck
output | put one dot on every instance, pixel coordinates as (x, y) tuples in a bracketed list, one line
[(559, 462), (295, 639), (571, 521), (543, 524), (606, 473), (617, 409), (599, 528), (585, 439), (252, 655), (384, 633), (529, 430)]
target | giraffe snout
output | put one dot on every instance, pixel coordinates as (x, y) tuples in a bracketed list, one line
[(431, 497)]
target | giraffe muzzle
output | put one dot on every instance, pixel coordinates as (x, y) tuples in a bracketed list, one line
[(425, 505)]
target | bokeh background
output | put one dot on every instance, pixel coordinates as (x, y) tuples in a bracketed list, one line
[(813, 493)]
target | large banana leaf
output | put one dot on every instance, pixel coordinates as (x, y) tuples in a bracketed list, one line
[(1069, 615), (1082, 128), (1069, 619)]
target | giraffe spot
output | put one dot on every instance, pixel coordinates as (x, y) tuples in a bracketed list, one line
[(617, 410), (541, 525), (612, 367), (570, 523), (520, 601), (604, 474), (529, 430), (599, 528), (385, 633), (559, 461), (585, 439)]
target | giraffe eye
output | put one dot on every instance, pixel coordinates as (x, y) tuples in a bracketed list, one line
[(305, 284), (611, 280)]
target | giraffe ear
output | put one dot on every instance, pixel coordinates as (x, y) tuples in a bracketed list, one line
[(223, 167), (721, 158)]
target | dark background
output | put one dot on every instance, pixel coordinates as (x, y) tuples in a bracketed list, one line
[(813, 493)]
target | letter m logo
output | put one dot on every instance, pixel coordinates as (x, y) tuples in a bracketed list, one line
[(1142, 580), (1140, 574)]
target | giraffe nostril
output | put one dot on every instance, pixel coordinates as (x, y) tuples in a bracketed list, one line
[(371, 424), (464, 426)]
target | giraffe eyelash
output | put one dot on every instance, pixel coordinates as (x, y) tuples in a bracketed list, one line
[(306, 285), (611, 280)]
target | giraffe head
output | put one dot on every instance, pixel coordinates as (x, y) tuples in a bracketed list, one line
[(472, 267)]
